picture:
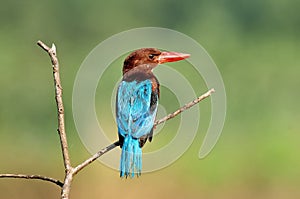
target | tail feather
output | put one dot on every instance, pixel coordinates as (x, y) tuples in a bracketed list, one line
[(131, 158)]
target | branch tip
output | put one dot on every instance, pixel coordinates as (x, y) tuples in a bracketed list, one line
[(42, 45), (53, 47)]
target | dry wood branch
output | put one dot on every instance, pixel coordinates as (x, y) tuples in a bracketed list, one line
[(185, 107), (94, 157), (59, 103), (36, 177), (61, 121)]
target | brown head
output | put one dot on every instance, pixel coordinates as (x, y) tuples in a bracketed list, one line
[(150, 57)]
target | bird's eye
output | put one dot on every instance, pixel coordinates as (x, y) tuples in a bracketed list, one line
[(151, 56)]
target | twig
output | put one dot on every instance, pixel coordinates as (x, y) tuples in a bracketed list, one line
[(61, 122), (94, 157), (37, 177), (157, 122), (187, 106), (59, 103)]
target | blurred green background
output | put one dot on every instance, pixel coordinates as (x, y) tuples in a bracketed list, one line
[(256, 46)]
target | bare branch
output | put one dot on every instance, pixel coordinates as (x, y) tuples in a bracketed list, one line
[(157, 122), (43, 46), (66, 185), (187, 106), (59, 102), (94, 157), (61, 121), (37, 177), (65, 191)]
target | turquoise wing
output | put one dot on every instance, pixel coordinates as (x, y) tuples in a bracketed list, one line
[(136, 108)]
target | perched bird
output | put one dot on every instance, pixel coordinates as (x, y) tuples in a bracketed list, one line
[(136, 105)]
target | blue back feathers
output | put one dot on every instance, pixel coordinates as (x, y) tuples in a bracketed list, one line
[(135, 114)]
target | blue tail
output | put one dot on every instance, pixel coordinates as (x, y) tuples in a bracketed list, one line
[(131, 157)]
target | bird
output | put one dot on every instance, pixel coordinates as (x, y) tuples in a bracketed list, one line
[(136, 105)]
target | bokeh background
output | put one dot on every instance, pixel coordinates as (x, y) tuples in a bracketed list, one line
[(256, 46)]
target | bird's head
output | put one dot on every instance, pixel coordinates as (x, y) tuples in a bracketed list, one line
[(150, 57)]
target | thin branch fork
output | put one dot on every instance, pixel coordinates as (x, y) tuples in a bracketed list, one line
[(70, 171)]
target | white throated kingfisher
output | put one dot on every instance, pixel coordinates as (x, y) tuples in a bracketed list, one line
[(136, 104)]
